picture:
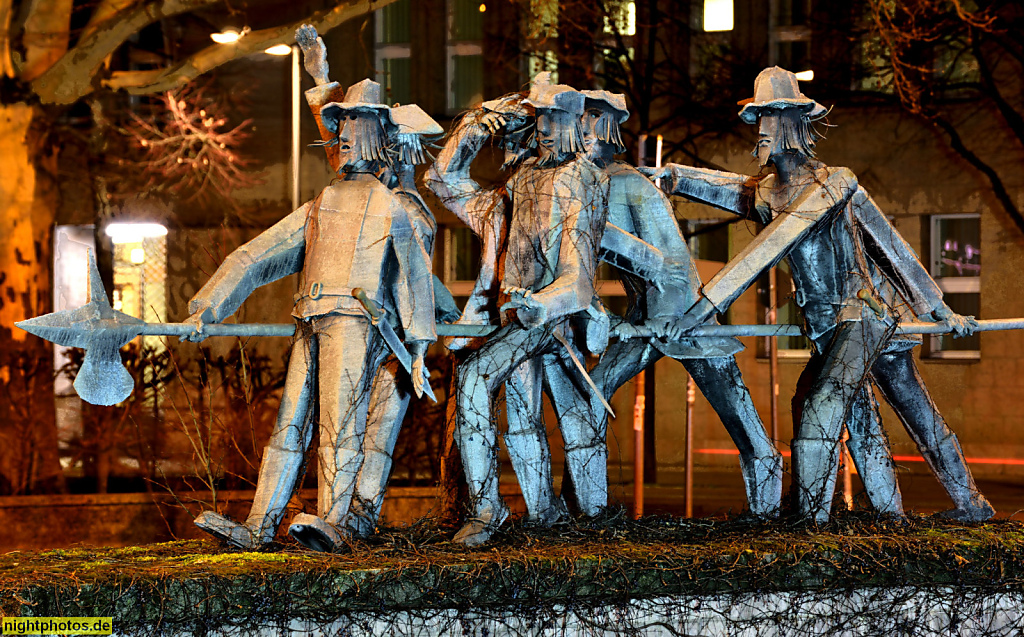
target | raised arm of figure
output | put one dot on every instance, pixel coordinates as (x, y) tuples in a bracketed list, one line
[(449, 177), (314, 53), (731, 192), (274, 254)]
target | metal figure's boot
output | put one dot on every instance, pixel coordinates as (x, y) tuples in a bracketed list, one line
[(815, 465), (946, 461), (877, 472), (481, 469), (589, 470), (315, 534), (279, 472), (762, 478)]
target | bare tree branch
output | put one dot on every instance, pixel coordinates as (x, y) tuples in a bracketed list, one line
[(956, 142), (144, 82), (74, 74), (105, 11)]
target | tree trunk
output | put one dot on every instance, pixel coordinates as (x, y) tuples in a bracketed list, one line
[(29, 458)]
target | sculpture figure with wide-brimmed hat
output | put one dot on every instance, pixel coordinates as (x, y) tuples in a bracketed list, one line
[(837, 241), (352, 248)]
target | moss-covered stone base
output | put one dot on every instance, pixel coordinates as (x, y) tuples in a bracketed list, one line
[(582, 571)]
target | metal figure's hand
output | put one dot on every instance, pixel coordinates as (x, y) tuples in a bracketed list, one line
[(196, 321), (504, 114), (958, 324), (531, 312), (493, 122), (420, 376), (314, 53)]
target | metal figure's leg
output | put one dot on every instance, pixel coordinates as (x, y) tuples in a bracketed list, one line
[(900, 381), (870, 452), (282, 457), (527, 442), (720, 381), (844, 366), (389, 400), (585, 426), (480, 375), (348, 348)]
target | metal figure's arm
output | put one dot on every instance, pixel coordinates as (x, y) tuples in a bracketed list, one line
[(314, 53), (731, 192), (274, 254), (769, 247), (632, 254), (654, 221), (896, 259), (412, 238), (449, 177)]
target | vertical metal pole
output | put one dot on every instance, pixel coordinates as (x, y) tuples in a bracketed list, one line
[(296, 148), (773, 355), (639, 406), (691, 398), (639, 400)]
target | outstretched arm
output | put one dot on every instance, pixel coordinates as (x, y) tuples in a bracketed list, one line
[(896, 259), (274, 254), (731, 192)]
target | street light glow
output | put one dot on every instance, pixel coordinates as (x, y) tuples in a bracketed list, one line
[(229, 35), (134, 232), (279, 49), (718, 15)]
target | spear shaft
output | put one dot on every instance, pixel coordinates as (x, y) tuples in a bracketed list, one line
[(630, 331)]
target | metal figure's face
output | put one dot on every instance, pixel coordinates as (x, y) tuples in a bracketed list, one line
[(769, 137), (547, 133), (590, 140), (351, 127)]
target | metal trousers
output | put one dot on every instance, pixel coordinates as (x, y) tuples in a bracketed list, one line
[(333, 361), (479, 378)]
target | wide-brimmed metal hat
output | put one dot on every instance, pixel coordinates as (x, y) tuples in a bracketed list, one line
[(614, 101), (363, 97), (776, 87), (544, 94), (410, 119)]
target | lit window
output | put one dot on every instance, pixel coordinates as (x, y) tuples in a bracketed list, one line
[(718, 15), (621, 19), (955, 264)]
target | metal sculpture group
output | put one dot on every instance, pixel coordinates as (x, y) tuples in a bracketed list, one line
[(367, 304)]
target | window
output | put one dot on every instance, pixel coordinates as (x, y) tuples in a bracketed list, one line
[(955, 264), (461, 262), (789, 38), (393, 38), (718, 15), (465, 54)]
